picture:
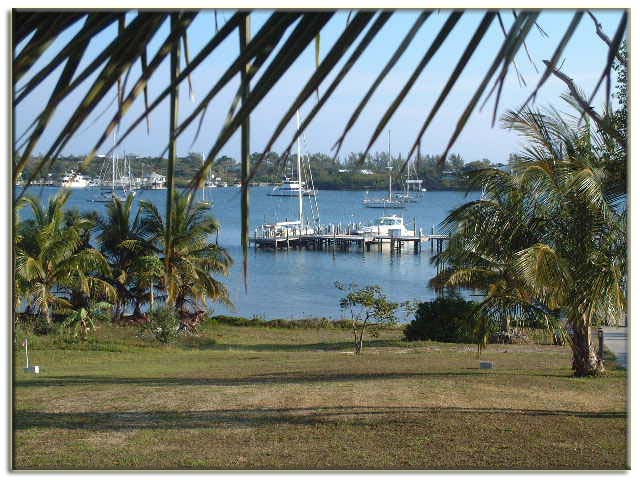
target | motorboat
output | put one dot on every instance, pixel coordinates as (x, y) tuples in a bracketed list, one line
[(291, 188), (75, 180), (386, 226)]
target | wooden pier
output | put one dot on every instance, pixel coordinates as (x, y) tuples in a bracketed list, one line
[(346, 242)]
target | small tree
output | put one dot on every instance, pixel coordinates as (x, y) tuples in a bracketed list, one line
[(369, 308), (83, 320)]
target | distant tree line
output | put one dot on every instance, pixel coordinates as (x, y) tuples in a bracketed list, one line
[(327, 172)]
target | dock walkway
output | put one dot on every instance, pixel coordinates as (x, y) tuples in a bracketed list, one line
[(348, 242)]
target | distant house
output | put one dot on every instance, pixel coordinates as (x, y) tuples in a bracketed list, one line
[(344, 170), (449, 174)]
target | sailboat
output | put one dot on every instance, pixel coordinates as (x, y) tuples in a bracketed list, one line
[(294, 227), (409, 195), (390, 201), (123, 181)]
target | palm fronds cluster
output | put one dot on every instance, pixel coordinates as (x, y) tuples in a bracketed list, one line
[(547, 241), (73, 268), (261, 62)]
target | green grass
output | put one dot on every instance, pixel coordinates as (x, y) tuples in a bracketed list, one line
[(296, 398)]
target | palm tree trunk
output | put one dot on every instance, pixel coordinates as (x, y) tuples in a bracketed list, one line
[(173, 123), (585, 360)]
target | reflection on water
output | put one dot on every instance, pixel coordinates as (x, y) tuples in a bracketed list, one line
[(294, 284)]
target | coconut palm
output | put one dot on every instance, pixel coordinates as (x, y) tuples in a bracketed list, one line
[(484, 237), (147, 272), (190, 257), (559, 245), (53, 263), (80, 322), (122, 238)]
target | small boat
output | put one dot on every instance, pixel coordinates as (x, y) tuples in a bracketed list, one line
[(284, 229), (390, 225), (383, 203), (291, 188), (389, 201), (75, 180)]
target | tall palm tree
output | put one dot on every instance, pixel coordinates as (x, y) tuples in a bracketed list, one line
[(485, 236), (122, 238), (190, 257), (561, 245), (53, 261)]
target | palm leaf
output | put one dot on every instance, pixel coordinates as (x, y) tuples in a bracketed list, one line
[(568, 34), (406, 41), (217, 39), (303, 34), (464, 59), (501, 56), (362, 46), (444, 32), (345, 40)]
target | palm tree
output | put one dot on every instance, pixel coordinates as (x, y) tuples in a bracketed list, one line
[(560, 246), (83, 320), (123, 239), (53, 262), (484, 237), (190, 257)]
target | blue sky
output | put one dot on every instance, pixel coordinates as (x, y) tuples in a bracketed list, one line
[(584, 59)]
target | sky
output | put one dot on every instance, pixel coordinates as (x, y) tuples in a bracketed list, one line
[(583, 60)]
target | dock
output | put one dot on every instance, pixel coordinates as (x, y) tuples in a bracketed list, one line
[(346, 242)]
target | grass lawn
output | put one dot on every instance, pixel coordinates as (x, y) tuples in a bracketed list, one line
[(275, 398)]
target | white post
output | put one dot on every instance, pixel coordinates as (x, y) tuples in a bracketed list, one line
[(26, 350)]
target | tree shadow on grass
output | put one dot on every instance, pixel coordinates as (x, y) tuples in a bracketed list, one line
[(283, 378), (232, 418), (305, 347)]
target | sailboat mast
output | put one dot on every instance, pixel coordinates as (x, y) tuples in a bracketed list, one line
[(389, 165), (299, 171)]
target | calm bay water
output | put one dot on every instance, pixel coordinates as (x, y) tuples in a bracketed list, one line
[(296, 284)]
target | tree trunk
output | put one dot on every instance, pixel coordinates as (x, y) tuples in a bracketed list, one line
[(585, 359), (360, 343)]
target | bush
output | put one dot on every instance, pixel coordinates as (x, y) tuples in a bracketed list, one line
[(163, 324), (443, 320)]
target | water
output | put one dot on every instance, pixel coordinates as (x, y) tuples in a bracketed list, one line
[(297, 284)]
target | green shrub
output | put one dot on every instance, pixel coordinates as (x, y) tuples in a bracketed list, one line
[(163, 324), (443, 320)]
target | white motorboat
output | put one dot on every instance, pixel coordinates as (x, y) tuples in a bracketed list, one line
[(75, 180), (387, 226), (291, 188)]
